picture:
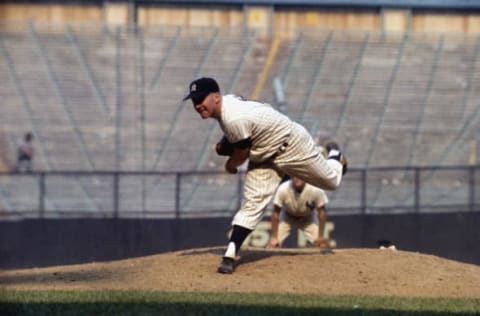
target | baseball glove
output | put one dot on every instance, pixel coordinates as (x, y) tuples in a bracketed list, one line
[(331, 145), (224, 147)]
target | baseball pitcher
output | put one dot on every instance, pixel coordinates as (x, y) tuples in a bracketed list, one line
[(274, 145)]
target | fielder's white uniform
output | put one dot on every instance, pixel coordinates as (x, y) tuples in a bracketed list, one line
[(298, 209), (278, 145)]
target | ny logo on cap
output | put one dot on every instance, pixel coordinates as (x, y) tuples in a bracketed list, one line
[(194, 87)]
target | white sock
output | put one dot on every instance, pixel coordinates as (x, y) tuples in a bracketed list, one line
[(230, 253), (333, 153)]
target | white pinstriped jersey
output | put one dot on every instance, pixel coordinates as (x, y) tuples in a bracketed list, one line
[(299, 204), (266, 127)]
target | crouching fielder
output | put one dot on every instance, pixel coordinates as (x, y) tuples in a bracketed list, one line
[(294, 205), (274, 144)]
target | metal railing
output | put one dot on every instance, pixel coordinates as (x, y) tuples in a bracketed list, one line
[(122, 194)]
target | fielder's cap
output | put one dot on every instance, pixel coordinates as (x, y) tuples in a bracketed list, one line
[(200, 89)]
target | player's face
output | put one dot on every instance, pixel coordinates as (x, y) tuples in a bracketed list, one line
[(298, 184), (208, 106)]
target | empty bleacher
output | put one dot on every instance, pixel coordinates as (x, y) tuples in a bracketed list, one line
[(109, 99)]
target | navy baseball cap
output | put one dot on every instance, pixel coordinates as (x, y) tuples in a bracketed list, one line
[(200, 89)]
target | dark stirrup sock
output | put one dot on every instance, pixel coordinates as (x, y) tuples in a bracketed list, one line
[(239, 234)]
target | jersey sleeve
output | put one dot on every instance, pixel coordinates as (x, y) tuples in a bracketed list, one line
[(238, 131), (243, 144), (322, 198)]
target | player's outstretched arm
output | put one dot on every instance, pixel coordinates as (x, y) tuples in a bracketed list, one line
[(322, 219), (274, 243)]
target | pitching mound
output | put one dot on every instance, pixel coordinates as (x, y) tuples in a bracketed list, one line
[(345, 272)]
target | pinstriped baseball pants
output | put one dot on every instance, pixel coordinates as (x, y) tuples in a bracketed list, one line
[(302, 158), (308, 224)]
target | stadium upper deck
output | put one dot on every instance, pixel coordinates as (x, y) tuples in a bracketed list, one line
[(271, 15), (110, 99)]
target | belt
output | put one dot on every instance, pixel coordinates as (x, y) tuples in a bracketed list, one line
[(298, 217)]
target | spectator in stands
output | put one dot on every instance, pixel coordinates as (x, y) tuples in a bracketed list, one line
[(25, 153)]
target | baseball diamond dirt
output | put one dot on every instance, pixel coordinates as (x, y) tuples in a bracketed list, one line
[(345, 272)]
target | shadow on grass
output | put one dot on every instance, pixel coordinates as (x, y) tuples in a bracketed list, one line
[(58, 277), (173, 309)]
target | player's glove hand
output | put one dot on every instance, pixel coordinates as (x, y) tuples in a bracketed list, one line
[(224, 147), (333, 152)]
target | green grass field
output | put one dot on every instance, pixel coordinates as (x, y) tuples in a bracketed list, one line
[(16, 302)]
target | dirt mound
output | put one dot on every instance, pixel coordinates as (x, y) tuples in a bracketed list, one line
[(344, 272)]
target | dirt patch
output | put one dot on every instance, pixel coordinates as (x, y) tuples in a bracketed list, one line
[(345, 272)]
